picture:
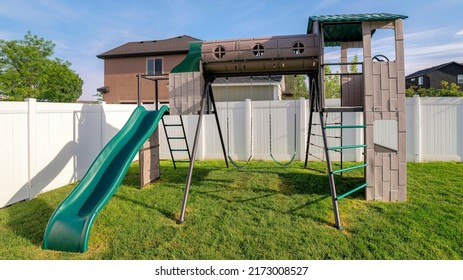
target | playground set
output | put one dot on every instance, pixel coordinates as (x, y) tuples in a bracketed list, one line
[(378, 92)]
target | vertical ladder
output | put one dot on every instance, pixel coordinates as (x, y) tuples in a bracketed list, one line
[(315, 106), (331, 172), (177, 139)]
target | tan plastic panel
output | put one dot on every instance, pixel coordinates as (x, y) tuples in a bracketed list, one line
[(277, 56)]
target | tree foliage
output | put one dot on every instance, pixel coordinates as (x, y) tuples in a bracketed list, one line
[(332, 84), (297, 86), (452, 90), (27, 70)]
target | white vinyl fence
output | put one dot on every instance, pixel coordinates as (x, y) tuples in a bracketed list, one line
[(47, 145)]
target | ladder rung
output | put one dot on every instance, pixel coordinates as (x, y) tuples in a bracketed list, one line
[(345, 126), (352, 191), (318, 146), (343, 109), (181, 160), (173, 124), (176, 137), (179, 150), (347, 147), (349, 168)]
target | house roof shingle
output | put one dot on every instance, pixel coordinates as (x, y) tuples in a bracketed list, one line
[(179, 44), (430, 69)]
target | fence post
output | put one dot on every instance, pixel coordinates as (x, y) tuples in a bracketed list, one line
[(417, 127), (31, 143), (247, 128), (302, 128), (102, 124)]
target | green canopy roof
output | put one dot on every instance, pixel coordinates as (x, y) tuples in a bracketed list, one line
[(347, 27)]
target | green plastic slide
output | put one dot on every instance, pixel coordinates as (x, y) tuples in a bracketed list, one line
[(69, 227)]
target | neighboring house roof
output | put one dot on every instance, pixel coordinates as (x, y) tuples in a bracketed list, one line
[(247, 80), (179, 44), (431, 69)]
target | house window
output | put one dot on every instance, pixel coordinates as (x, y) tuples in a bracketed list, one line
[(460, 79), (154, 66), (420, 81)]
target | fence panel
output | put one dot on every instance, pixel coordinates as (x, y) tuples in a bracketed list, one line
[(48, 145)]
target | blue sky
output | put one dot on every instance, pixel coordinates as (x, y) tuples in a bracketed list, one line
[(82, 29)]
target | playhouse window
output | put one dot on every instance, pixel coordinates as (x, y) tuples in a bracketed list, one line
[(219, 51), (258, 50), (460, 79), (385, 136), (154, 66), (298, 48)]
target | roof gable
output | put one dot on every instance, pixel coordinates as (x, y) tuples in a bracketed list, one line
[(431, 69), (179, 44)]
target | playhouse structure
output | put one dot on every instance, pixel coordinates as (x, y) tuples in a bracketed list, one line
[(377, 91)]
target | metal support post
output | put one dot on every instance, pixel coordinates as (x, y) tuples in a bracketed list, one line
[(214, 107), (138, 90), (312, 108), (334, 199), (156, 94), (204, 99)]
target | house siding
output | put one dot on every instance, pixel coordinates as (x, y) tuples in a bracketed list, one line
[(120, 78), (433, 79)]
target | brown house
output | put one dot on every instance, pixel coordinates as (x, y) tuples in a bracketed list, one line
[(123, 63), (451, 72)]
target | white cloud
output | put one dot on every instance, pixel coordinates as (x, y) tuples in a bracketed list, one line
[(459, 33)]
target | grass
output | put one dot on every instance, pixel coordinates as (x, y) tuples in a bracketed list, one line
[(260, 212)]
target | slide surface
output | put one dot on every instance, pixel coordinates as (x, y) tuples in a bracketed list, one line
[(69, 227)]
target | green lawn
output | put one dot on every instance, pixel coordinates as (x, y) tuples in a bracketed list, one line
[(260, 212)]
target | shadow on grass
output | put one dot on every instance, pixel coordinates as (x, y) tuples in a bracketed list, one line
[(295, 180), (29, 219), (167, 214)]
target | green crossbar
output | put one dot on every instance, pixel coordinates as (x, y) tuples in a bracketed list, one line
[(352, 191), (349, 168), (345, 126), (347, 147)]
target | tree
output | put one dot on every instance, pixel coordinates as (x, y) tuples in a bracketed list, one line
[(332, 84), (27, 70), (353, 68), (297, 86)]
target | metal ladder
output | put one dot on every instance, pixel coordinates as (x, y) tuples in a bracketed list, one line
[(316, 106), (176, 139)]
